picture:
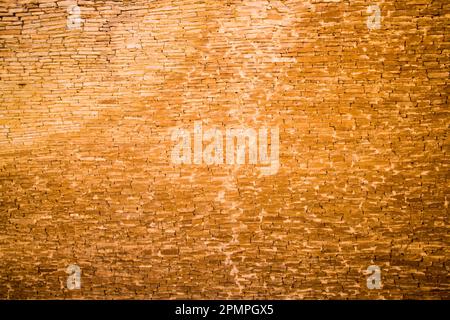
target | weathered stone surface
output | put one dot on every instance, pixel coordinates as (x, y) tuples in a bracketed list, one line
[(85, 171)]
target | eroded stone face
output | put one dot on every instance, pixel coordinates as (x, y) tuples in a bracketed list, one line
[(357, 207)]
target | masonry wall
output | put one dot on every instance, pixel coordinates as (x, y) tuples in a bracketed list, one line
[(87, 108)]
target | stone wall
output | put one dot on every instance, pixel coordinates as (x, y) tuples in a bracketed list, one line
[(91, 92)]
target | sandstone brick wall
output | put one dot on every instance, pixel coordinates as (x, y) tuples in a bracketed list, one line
[(86, 176)]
